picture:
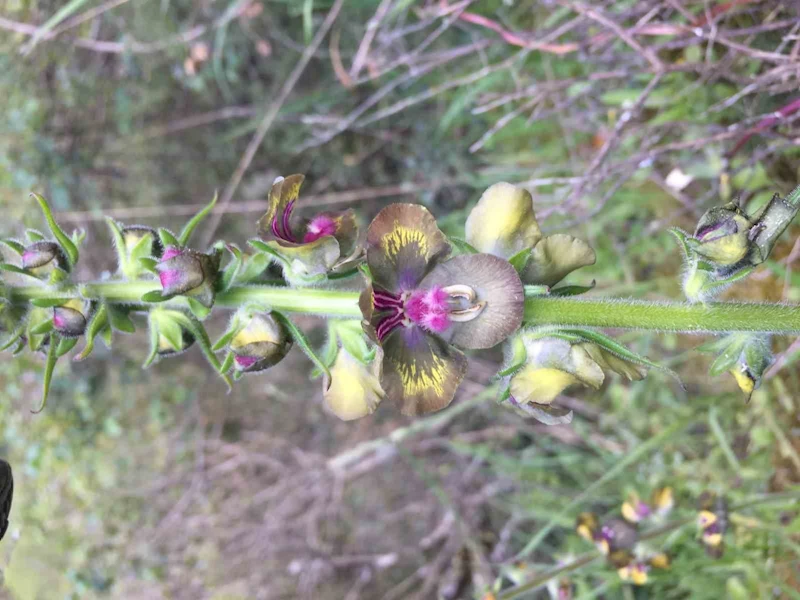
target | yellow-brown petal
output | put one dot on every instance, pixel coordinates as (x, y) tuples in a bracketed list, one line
[(555, 257), (503, 222)]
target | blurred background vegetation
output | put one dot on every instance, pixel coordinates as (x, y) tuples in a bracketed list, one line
[(622, 117)]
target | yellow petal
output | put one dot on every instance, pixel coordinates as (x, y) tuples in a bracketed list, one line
[(503, 222), (555, 257), (540, 385), (744, 379), (355, 390), (610, 362)]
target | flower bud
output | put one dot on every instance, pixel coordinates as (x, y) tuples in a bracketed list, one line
[(132, 236), (168, 347), (746, 356), (260, 344), (355, 390), (41, 258), (723, 235), (69, 319), (189, 273)]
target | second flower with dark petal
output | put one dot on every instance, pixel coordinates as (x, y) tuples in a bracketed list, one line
[(420, 308)]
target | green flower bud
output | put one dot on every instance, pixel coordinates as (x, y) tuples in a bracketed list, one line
[(262, 343), (170, 347), (133, 235), (70, 319), (723, 235), (41, 258)]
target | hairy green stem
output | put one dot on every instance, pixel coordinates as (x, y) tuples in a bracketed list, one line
[(539, 310)]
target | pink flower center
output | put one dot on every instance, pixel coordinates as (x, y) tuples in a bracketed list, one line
[(318, 227), (428, 309)]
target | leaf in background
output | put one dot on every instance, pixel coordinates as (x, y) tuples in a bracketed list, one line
[(70, 249), (186, 233), (119, 319)]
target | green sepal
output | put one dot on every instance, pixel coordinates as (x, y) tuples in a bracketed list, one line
[(107, 335), (237, 375), (119, 319), (49, 367), (226, 338), (167, 238), (196, 328), (227, 363), (34, 236), (42, 328), (149, 264), (119, 244), (96, 325), (198, 310), (18, 271), (737, 276), (573, 290), (186, 233), (621, 351), (14, 245), (266, 249), (151, 356), (302, 341), (47, 302), (65, 345), (462, 246), (253, 267), (78, 237), (344, 274), (365, 271), (232, 269), (726, 361), (15, 336), (520, 260), (518, 356), (155, 297), (682, 238), (69, 247), (57, 276)]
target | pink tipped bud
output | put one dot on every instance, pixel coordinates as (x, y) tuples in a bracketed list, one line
[(69, 320), (42, 257), (260, 344)]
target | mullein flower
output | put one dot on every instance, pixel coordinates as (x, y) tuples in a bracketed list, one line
[(262, 342), (40, 259), (309, 247), (189, 273), (635, 510), (419, 307), (70, 318), (503, 223), (550, 364), (746, 356), (612, 536), (722, 235), (712, 521)]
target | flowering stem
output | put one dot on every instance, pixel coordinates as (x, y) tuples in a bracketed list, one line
[(539, 310)]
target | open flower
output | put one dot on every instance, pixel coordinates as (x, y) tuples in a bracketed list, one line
[(712, 520), (41, 258), (504, 223), (613, 536), (635, 510), (189, 273), (261, 343), (310, 247), (419, 306), (638, 569)]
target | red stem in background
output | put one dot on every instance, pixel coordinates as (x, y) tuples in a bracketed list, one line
[(766, 123)]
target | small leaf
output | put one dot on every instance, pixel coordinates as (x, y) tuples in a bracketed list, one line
[(149, 264), (167, 239), (107, 335), (462, 246), (724, 362), (183, 238), (302, 341), (264, 248), (65, 345), (49, 366), (573, 290), (13, 245), (97, 323), (520, 260), (227, 363), (119, 319), (70, 249), (155, 296), (196, 328), (14, 337), (344, 274), (34, 236), (226, 338), (517, 359), (42, 328), (232, 269), (78, 236), (57, 276), (199, 311), (151, 356), (725, 281), (18, 271), (253, 268), (683, 242), (119, 244)]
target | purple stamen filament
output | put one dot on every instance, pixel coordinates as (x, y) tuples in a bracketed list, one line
[(281, 229), (426, 308)]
